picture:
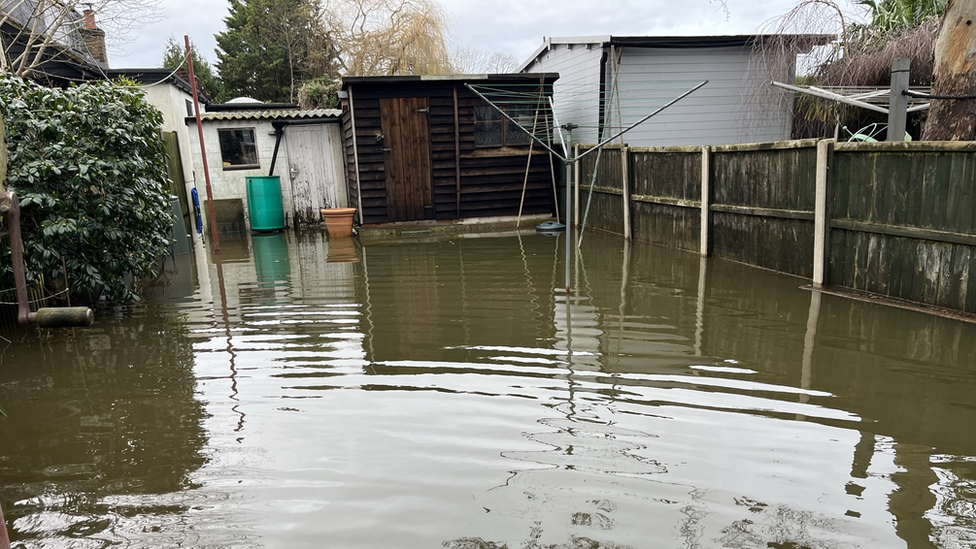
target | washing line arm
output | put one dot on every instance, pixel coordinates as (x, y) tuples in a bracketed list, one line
[(513, 121), (642, 120), (832, 96)]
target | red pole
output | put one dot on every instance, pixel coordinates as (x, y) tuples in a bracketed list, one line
[(4, 539), (203, 149)]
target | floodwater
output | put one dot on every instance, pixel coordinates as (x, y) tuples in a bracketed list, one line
[(445, 393)]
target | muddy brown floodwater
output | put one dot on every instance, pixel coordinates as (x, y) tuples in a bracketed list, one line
[(446, 393)]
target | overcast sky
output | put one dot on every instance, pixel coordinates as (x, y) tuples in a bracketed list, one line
[(515, 27)]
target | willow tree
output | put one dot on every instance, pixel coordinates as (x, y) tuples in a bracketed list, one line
[(954, 76), (390, 37)]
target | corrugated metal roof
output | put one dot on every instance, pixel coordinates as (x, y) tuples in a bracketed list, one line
[(272, 114)]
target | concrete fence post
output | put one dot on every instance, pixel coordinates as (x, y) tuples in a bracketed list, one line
[(625, 185), (898, 102), (706, 183), (821, 220)]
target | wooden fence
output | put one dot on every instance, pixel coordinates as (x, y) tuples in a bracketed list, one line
[(895, 219)]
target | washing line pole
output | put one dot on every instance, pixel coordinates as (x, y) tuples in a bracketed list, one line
[(568, 159), (568, 162)]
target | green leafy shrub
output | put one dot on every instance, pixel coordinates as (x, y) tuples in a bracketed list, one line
[(89, 167), (319, 93)]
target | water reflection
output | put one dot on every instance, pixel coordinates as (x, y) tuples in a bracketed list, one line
[(447, 392), (104, 431)]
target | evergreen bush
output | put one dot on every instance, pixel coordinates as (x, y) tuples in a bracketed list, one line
[(89, 167)]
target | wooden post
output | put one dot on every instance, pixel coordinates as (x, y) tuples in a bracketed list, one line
[(706, 184), (625, 184), (821, 225), (898, 104)]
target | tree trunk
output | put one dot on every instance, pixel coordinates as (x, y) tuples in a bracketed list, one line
[(954, 74)]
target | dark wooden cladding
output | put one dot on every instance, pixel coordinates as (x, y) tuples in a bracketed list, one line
[(605, 212), (784, 245), (349, 159), (921, 194), (765, 178), (668, 174), (771, 179), (407, 153), (609, 171), (664, 225), (463, 180)]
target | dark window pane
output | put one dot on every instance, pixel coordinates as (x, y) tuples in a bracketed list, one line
[(486, 112), (515, 135), (237, 147), (488, 134)]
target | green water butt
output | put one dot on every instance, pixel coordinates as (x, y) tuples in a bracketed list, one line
[(264, 205)]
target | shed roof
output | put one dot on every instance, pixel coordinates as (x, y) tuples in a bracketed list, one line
[(803, 42), (433, 79), (271, 114)]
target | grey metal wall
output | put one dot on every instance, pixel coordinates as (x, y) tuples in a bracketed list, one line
[(576, 94), (717, 114), (736, 106)]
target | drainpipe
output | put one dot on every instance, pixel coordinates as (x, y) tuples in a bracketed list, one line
[(279, 128)]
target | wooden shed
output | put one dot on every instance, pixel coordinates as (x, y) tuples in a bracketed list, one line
[(428, 148)]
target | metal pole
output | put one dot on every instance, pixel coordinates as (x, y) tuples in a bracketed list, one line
[(569, 224), (203, 149)]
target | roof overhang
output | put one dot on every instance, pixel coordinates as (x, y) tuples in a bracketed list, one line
[(269, 113), (800, 42), (434, 79), (152, 76)]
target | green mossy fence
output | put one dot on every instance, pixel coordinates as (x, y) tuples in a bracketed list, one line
[(895, 219)]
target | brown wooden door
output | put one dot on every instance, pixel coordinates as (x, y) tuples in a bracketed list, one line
[(406, 158)]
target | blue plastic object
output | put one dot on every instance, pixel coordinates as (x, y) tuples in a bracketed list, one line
[(196, 209), (550, 226)]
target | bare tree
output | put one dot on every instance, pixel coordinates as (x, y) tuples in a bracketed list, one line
[(954, 75), (38, 33), (465, 60), (390, 37)]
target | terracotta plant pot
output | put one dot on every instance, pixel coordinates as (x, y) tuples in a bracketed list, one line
[(338, 221)]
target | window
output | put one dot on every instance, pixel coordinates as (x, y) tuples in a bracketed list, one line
[(237, 148), (491, 129)]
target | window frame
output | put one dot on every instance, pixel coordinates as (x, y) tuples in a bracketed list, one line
[(506, 128), (223, 156)]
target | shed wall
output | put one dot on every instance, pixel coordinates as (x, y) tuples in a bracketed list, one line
[(576, 94), (229, 184), (717, 114), (478, 182)]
